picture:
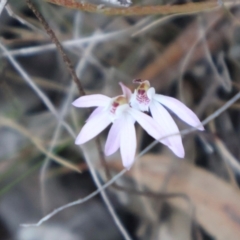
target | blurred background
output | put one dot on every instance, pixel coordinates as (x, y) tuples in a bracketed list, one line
[(193, 57)]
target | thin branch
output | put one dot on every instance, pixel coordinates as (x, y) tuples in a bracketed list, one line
[(138, 10)]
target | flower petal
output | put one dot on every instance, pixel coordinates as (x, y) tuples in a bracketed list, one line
[(94, 100), (151, 93), (164, 119), (128, 142), (93, 127), (150, 126), (182, 111), (126, 91), (95, 113), (113, 139)]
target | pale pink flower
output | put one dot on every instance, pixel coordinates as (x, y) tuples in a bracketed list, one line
[(122, 133), (144, 98)]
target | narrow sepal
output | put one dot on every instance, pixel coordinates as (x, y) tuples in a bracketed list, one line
[(128, 142), (94, 100), (164, 119), (113, 139), (182, 111), (93, 127)]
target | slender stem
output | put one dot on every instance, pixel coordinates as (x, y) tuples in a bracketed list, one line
[(58, 45)]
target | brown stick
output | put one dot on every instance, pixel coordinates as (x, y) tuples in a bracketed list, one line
[(138, 10)]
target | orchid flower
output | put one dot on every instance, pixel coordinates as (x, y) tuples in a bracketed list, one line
[(122, 132), (144, 98)]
